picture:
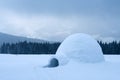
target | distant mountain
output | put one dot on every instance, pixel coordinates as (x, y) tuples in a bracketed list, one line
[(5, 38)]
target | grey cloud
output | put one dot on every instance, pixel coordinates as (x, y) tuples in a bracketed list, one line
[(88, 7), (56, 19)]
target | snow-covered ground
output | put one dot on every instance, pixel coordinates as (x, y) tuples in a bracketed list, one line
[(29, 67)]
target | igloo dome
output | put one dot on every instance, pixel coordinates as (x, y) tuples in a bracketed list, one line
[(81, 48)]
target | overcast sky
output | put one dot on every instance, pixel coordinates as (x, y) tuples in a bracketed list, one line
[(56, 19)]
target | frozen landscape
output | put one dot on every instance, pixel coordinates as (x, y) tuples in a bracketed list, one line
[(30, 67), (76, 60), (59, 39)]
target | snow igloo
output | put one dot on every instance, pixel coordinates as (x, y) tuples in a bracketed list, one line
[(81, 48)]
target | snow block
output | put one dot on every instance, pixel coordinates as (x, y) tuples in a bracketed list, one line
[(82, 48)]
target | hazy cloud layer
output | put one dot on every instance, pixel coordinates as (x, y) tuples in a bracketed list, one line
[(56, 19)]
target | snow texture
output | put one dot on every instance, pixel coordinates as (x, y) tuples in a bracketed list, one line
[(29, 67), (81, 48)]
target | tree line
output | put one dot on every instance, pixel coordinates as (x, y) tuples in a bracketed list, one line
[(29, 48), (110, 48), (50, 48)]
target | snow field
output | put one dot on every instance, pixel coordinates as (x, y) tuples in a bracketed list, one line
[(30, 67)]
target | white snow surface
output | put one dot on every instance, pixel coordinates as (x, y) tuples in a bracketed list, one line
[(82, 48), (29, 67)]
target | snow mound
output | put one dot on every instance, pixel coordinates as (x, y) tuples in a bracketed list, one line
[(81, 48)]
